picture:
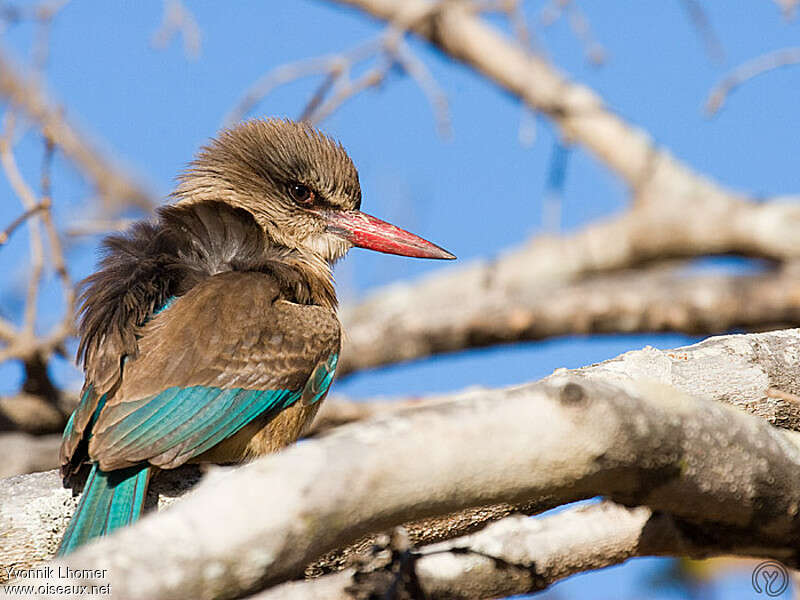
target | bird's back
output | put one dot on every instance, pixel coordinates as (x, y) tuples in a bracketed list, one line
[(196, 300)]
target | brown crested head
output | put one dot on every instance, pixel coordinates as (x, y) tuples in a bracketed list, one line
[(286, 174), (300, 186)]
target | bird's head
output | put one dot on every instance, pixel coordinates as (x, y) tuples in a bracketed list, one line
[(301, 187)]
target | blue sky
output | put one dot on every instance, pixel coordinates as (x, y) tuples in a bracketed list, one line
[(476, 193)]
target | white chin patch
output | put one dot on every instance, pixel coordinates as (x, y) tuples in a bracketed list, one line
[(331, 247)]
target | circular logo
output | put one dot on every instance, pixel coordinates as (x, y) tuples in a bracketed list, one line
[(771, 578)]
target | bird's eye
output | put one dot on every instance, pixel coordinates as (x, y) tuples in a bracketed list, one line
[(301, 193)]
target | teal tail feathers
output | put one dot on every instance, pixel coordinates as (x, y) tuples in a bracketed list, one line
[(109, 501)]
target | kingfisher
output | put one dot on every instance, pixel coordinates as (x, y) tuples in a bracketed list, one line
[(210, 333)]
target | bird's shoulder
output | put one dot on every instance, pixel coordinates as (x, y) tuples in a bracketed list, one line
[(238, 328), (154, 262), (232, 332)]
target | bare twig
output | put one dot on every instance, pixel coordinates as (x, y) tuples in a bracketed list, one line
[(389, 50), (518, 22), (29, 203), (702, 25), (66, 326), (331, 66), (45, 13), (747, 71), (595, 53), (347, 89), (97, 226), (785, 396), (319, 95), (513, 11), (578, 23), (417, 70), (41, 12), (788, 8), (12, 227), (552, 11), (25, 344), (178, 20), (520, 555), (117, 188)]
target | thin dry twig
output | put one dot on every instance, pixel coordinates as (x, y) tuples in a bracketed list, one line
[(747, 71), (178, 20), (420, 73), (332, 65), (389, 51), (579, 24), (24, 344), (788, 8), (56, 250), (13, 14), (518, 22), (29, 202), (97, 226), (512, 9), (347, 88), (318, 96), (117, 189), (702, 25), (595, 53), (783, 395), (552, 12), (45, 14), (6, 234)]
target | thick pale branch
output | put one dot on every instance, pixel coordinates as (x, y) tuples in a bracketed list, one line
[(519, 555), (458, 31), (633, 440), (31, 413), (339, 411), (25, 453), (738, 370), (408, 322), (677, 212)]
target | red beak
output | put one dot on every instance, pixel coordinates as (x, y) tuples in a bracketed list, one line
[(366, 231)]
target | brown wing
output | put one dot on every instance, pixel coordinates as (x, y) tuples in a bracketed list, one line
[(200, 365)]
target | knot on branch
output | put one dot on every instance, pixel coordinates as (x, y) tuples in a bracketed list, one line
[(572, 394), (388, 570)]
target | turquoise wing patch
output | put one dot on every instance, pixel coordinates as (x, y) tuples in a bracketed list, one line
[(320, 381), (88, 405), (182, 422)]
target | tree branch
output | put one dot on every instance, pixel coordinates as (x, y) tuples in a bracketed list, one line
[(455, 29), (117, 188), (25, 453), (412, 321), (655, 228), (520, 555), (641, 443), (745, 72)]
